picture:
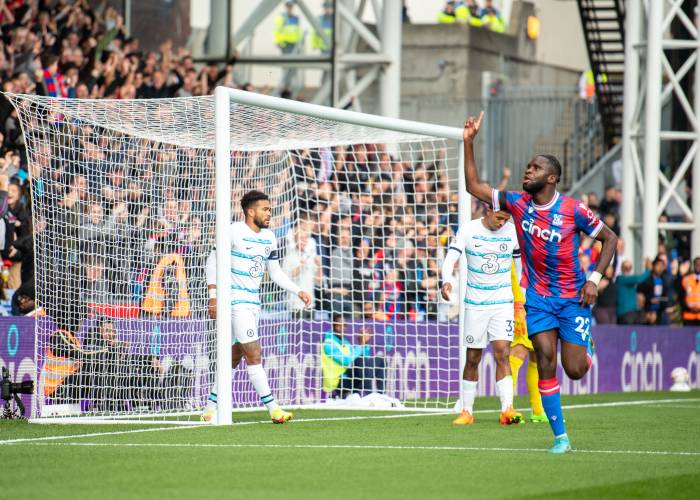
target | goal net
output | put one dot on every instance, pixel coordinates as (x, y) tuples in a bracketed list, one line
[(124, 210)]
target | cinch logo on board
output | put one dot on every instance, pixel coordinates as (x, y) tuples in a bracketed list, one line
[(546, 234), (641, 371)]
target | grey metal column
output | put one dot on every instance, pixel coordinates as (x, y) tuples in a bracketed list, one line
[(390, 81), (630, 155), (695, 236), (652, 130), (376, 52)]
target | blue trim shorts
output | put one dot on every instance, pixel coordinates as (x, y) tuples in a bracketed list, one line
[(568, 315)]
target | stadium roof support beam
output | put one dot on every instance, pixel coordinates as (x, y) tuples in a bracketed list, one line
[(647, 190), (379, 54)]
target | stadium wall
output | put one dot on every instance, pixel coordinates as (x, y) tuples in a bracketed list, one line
[(629, 358)]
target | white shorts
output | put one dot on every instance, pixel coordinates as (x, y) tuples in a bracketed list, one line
[(482, 326), (245, 324)]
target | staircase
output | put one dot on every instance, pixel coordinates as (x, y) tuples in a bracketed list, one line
[(603, 23)]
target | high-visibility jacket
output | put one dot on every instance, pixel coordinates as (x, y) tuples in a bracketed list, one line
[(326, 22), (691, 285), (447, 17), (337, 355), (287, 30), (154, 301), (57, 368), (465, 16), (495, 20), (590, 84)]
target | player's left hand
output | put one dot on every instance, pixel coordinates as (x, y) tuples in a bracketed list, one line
[(589, 294), (305, 298)]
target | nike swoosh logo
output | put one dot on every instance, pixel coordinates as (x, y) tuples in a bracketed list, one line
[(248, 248), (477, 246)]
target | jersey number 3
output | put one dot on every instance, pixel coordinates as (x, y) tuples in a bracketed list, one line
[(491, 264), (257, 268)]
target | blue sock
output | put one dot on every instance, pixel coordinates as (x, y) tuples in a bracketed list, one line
[(551, 400)]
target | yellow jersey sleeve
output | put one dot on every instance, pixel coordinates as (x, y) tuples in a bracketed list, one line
[(518, 295)]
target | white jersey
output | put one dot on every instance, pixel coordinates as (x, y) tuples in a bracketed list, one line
[(250, 252), (489, 259)]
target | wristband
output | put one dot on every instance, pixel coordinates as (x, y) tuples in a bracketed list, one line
[(212, 293), (595, 277)]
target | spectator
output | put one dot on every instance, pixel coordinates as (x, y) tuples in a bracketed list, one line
[(611, 201), (626, 287), (325, 21), (690, 286), (492, 17), (656, 292), (53, 84), (447, 15), (349, 368), (469, 13), (341, 274), (105, 370), (302, 264), (287, 36), (605, 310)]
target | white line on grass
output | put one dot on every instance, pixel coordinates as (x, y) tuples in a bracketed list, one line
[(363, 447), (97, 434), (451, 412), (355, 417)]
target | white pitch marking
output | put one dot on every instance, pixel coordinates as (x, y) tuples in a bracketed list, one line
[(363, 447), (331, 419), (96, 434)]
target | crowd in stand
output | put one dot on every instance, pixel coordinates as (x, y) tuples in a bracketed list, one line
[(372, 229), (469, 12)]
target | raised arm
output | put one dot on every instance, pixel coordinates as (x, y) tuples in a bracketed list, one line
[(475, 186)]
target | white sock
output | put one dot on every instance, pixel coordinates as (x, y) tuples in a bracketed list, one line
[(504, 388), (468, 395), (258, 378)]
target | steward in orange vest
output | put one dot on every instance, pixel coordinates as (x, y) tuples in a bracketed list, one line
[(62, 356), (154, 301), (691, 292)]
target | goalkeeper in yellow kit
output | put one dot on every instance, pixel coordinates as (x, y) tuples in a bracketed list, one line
[(519, 349)]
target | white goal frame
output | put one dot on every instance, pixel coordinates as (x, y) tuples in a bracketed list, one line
[(223, 98)]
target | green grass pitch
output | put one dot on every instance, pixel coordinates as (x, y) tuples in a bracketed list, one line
[(626, 446)]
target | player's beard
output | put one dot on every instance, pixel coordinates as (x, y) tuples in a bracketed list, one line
[(261, 223), (534, 186)]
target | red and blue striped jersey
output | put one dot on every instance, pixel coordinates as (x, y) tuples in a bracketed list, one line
[(549, 240)]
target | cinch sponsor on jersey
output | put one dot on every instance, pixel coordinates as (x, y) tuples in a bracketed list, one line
[(546, 234)]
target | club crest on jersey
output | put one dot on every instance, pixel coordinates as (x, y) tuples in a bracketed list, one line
[(546, 234), (267, 251), (503, 247), (530, 209), (556, 219)]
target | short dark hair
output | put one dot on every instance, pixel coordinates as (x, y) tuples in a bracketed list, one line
[(554, 163), (252, 197)]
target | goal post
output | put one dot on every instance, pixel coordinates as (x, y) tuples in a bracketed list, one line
[(130, 197)]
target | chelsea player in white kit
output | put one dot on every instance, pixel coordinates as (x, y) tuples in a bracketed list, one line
[(491, 247), (253, 248)]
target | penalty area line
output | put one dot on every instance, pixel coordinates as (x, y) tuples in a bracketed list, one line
[(361, 447)]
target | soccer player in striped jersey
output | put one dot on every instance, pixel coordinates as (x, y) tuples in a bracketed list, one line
[(253, 249), (491, 248), (558, 294)]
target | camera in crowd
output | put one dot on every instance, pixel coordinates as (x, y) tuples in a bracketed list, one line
[(10, 390)]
